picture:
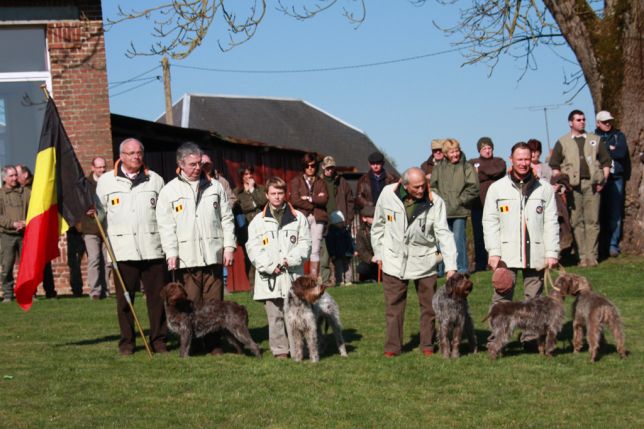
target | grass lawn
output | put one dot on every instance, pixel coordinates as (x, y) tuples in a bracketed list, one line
[(60, 368)]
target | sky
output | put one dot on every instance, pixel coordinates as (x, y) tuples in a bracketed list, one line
[(400, 106)]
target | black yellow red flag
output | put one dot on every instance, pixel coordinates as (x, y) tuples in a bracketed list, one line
[(60, 196)]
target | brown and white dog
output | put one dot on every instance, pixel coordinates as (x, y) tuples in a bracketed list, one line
[(452, 312), (593, 312), (306, 307), (189, 321)]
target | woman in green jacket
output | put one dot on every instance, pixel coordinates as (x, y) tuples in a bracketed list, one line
[(457, 183)]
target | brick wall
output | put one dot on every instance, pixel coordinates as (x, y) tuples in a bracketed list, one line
[(79, 87)]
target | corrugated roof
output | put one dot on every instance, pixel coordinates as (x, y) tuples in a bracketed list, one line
[(278, 122)]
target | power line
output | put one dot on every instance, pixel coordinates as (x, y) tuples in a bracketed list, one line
[(321, 69), (133, 78), (152, 79)]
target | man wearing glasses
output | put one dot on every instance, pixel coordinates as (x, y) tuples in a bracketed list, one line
[(197, 231), (128, 197), (584, 158)]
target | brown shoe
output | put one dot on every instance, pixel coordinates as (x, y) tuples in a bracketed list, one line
[(126, 352), (281, 356), (583, 263), (217, 351), (592, 262)]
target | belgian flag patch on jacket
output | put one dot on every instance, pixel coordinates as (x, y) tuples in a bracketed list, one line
[(504, 209), (116, 201), (178, 208)]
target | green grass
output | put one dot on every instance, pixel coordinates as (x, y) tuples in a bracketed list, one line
[(59, 368)]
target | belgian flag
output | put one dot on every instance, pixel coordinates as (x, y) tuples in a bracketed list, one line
[(60, 196)]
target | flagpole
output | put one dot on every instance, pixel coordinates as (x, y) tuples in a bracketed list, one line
[(106, 240)]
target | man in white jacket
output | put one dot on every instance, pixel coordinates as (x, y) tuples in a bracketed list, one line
[(279, 242), (127, 197), (197, 229), (408, 226), (520, 225)]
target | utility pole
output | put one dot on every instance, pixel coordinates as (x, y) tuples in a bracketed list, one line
[(168, 91)]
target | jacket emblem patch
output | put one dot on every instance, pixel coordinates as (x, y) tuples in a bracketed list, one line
[(539, 209), (293, 239), (390, 218), (504, 209), (178, 208), (265, 241), (153, 202), (593, 142), (116, 201), (215, 204)]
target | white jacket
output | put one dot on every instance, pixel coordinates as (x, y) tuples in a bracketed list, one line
[(195, 227), (269, 244), (522, 230), (130, 212), (409, 250)]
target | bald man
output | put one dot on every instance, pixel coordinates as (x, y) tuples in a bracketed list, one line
[(408, 226)]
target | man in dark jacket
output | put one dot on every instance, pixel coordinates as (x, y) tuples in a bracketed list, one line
[(370, 185), (98, 265), (341, 199), (612, 197), (489, 170)]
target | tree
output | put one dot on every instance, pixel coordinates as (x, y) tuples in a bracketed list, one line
[(605, 37)]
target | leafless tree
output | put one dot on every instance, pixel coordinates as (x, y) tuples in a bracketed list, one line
[(606, 38)]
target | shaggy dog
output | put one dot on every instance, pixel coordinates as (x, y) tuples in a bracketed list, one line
[(592, 311), (305, 308), (190, 322), (452, 313), (541, 317)]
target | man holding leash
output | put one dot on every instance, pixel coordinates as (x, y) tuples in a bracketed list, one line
[(408, 226), (128, 196), (520, 226), (197, 230), (279, 242)]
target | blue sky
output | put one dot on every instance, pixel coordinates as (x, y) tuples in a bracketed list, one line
[(401, 107)]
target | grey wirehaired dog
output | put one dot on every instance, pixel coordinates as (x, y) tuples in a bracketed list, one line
[(306, 308), (189, 321), (593, 312), (452, 313), (541, 317)]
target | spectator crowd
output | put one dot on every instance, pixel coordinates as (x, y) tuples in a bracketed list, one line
[(524, 217)]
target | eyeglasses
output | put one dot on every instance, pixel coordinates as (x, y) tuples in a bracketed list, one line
[(329, 168), (137, 153), (436, 150), (310, 165)]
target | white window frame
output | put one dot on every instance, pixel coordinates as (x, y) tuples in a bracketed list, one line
[(30, 76)]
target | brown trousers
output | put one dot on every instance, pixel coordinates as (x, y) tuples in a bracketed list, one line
[(203, 285), (152, 275), (395, 291)]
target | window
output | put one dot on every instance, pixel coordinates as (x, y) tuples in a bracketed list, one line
[(23, 69)]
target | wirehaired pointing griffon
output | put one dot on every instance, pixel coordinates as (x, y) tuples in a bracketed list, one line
[(189, 321), (452, 313), (592, 311), (306, 307), (541, 317)]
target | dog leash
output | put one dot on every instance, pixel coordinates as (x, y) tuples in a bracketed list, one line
[(547, 278)]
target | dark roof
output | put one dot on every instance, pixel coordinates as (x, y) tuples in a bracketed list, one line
[(277, 122)]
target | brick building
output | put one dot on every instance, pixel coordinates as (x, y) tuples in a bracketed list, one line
[(59, 44)]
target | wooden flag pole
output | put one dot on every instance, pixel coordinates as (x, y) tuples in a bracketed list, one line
[(125, 292)]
